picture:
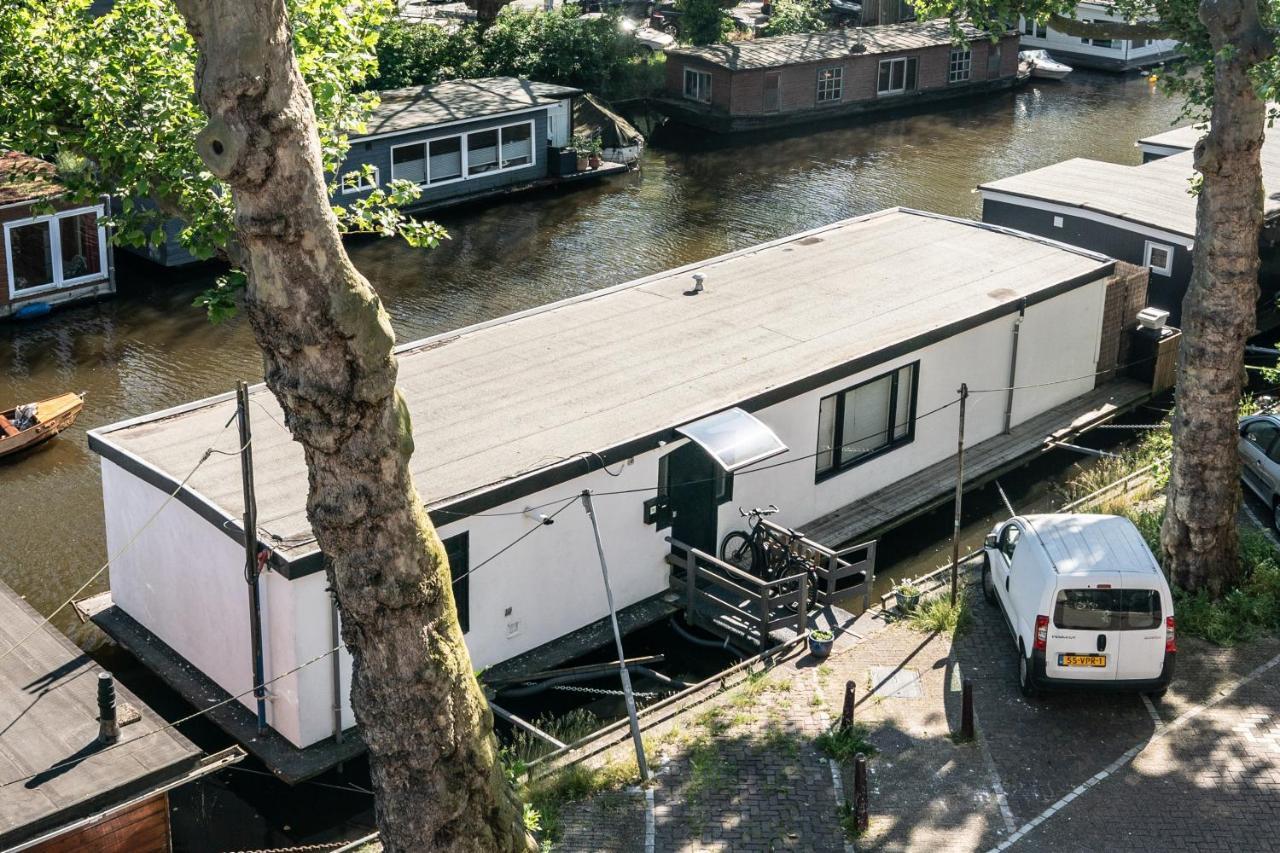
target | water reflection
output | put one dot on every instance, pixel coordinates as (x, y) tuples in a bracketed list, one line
[(148, 349)]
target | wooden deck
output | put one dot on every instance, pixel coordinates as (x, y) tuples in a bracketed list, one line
[(912, 497), (289, 763), (52, 768)]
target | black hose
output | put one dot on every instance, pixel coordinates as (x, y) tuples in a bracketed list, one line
[(711, 644), (533, 689)]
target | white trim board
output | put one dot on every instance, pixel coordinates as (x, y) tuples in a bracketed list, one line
[(425, 127), (1089, 214), (55, 252)]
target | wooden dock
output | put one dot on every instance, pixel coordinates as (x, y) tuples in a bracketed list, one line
[(935, 486), (60, 788)]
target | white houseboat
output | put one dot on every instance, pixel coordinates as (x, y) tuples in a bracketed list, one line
[(1104, 54), (840, 348)]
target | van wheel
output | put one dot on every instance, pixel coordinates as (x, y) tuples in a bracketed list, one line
[(1158, 694), (988, 585), (1025, 683)]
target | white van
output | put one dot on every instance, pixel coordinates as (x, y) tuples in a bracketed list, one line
[(1086, 601)]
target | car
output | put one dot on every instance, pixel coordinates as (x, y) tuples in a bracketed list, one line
[(1085, 600), (1259, 448)]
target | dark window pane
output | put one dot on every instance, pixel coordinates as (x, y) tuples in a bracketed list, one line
[(458, 549), (79, 237), (1107, 609), (31, 253)]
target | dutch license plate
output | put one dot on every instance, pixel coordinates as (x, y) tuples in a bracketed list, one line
[(1082, 660)]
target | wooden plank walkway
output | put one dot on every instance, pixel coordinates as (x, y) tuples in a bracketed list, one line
[(52, 769), (934, 486)]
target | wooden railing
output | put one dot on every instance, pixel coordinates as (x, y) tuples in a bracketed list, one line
[(841, 574), (738, 602)]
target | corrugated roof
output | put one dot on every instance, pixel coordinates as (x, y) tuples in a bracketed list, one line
[(776, 51), (25, 178), (523, 393), (455, 100), (1083, 543), (1155, 194)]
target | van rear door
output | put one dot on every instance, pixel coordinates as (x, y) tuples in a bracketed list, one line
[(1084, 642), (1142, 635)]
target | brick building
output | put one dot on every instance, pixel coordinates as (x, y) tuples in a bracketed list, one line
[(818, 76)]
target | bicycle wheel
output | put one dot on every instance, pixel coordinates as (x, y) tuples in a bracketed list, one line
[(777, 560), (738, 550)]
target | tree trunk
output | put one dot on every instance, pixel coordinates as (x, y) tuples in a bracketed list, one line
[(328, 355), (1199, 536)]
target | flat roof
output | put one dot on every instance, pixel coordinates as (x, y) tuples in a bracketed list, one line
[(799, 48), (458, 100), (1155, 194), (1183, 138), (49, 719), (534, 399)]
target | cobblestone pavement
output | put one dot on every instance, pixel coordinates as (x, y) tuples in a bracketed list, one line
[(1196, 770)]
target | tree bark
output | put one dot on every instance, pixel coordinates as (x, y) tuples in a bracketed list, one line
[(328, 354), (1199, 536)]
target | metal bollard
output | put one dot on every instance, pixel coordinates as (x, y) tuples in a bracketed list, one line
[(860, 795), (846, 715), (966, 710), (108, 725)]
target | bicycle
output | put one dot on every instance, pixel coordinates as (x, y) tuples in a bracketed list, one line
[(765, 553)]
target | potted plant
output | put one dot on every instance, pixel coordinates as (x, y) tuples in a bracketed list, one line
[(582, 149), (820, 642), (907, 592), (594, 152)]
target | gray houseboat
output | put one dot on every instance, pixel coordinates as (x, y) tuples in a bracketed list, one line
[(809, 77), (1141, 214), (459, 141)]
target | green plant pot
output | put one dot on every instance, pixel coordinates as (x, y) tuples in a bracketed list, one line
[(906, 602)]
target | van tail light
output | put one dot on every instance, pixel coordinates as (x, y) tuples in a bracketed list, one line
[(1042, 633), (1170, 637)]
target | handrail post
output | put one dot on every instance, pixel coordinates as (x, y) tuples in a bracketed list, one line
[(833, 567), (691, 584), (802, 607)]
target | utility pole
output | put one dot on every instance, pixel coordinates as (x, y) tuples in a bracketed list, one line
[(251, 568), (955, 527), (617, 638)]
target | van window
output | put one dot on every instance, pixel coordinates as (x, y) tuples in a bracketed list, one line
[(1009, 540), (1107, 609)]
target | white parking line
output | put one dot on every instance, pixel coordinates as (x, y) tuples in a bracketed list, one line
[(997, 787), (650, 828), (837, 778), (1131, 753), (1151, 709)]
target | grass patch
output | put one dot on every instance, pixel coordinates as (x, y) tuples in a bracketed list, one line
[(1154, 446), (937, 615), (849, 822), (547, 796), (523, 747), (843, 744), (1249, 611)]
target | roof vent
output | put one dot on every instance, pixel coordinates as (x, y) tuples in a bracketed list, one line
[(1153, 318), (698, 279)]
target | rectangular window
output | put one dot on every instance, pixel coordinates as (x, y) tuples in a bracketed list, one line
[(48, 252), (517, 145), (409, 163), (1034, 29), (1107, 43), (445, 160), (866, 420), (359, 180), (1107, 609), (1138, 44), (897, 76), (458, 550), (959, 65), (830, 84), (1159, 258), (482, 152), (697, 85)]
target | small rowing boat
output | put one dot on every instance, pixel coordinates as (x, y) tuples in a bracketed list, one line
[(26, 426)]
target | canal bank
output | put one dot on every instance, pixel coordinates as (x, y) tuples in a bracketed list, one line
[(147, 349)]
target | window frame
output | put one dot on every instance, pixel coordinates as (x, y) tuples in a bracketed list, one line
[(59, 282), (959, 59), (1033, 28), (463, 137), (838, 465), (361, 186), (1167, 269), (907, 62), (697, 73), (458, 550), (829, 85)]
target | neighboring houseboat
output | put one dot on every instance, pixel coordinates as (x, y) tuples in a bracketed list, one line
[(1104, 54), (54, 251), (1141, 214), (808, 349), (809, 77), (66, 787), (459, 141)]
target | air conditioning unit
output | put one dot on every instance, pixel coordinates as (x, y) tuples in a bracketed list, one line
[(1153, 318)]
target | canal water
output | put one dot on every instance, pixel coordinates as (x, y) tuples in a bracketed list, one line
[(148, 348)]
